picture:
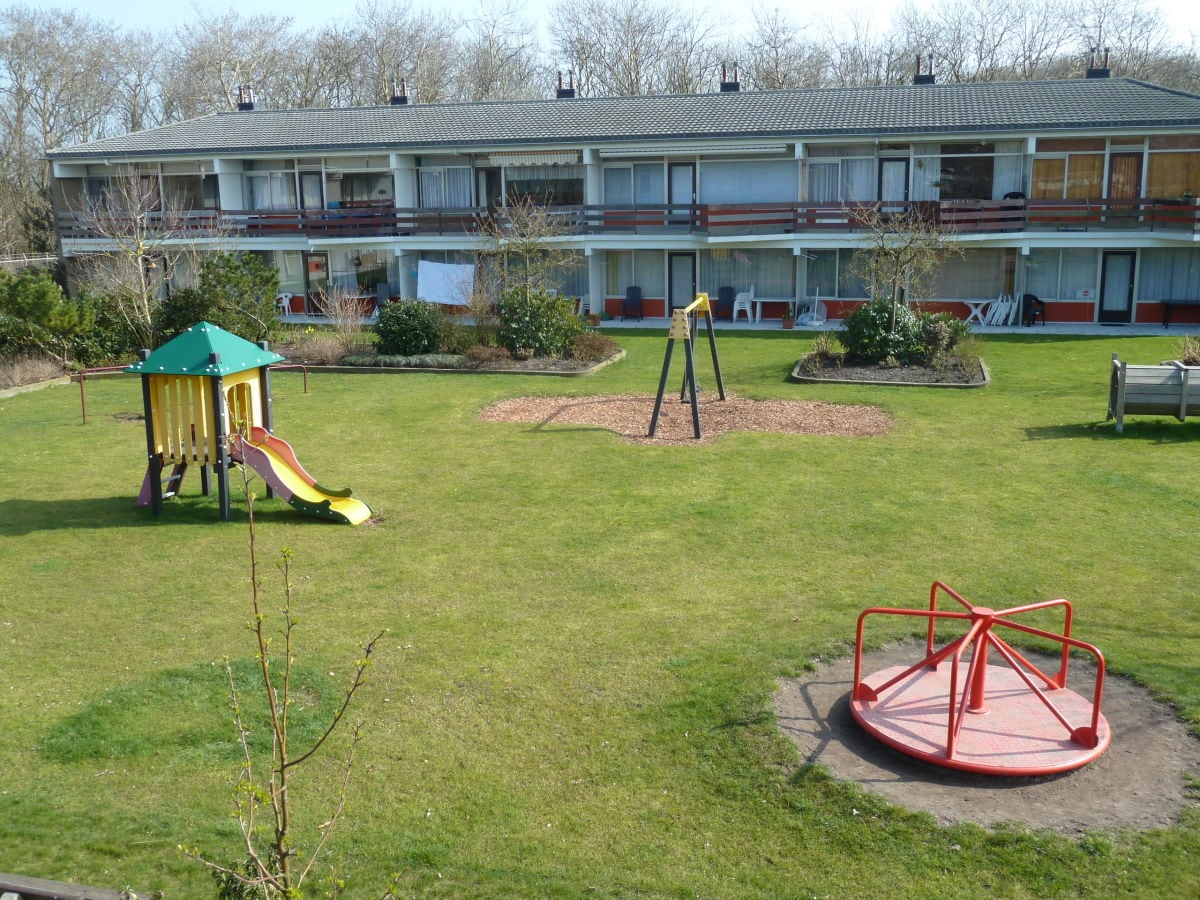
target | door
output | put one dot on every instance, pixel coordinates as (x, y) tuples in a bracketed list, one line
[(681, 192), (1124, 183), (681, 280), (310, 191), (1116, 287), (316, 280), (893, 183)]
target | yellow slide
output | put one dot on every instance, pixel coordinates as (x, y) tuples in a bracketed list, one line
[(273, 459)]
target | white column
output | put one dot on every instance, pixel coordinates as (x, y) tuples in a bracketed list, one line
[(597, 277), (593, 178), (404, 180), (230, 183), (406, 268)]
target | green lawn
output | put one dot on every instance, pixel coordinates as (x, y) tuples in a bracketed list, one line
[(574, 698)]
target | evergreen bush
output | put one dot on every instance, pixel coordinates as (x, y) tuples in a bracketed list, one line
[(534, 323), (408, 328)]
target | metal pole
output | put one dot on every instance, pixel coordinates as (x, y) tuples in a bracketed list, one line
[(662, 386)]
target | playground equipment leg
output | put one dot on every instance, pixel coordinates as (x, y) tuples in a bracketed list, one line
[(662, 386)]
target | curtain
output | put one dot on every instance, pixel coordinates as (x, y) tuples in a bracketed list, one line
[(1078, 273), (618, 272), (1169, 274), (823, 180), (1041, 273), (772, 272), (761, 181), (458, 187), (1006, 177), (858, 179), (977, 275), (432, 192), (822, 273), (649, 183), (618, 187)]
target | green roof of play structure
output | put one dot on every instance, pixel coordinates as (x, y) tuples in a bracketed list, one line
[(191, 354)]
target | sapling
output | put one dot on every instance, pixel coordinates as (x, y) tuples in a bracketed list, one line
[(274, 865)]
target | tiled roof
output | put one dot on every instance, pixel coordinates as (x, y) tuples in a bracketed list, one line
[(1075, 104)]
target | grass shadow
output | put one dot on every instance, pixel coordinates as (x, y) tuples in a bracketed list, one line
[(28, 516), (1160, 432)]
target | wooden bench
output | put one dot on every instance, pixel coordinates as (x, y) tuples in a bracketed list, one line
[(1167, 390), (1169, 307)]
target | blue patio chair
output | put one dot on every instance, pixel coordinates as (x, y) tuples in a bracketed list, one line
[(631, 306)]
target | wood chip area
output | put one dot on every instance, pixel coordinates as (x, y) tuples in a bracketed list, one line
[(629, 416)]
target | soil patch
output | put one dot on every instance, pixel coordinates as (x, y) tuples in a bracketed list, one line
[(969, 372), (1139, 782), (629, 416)]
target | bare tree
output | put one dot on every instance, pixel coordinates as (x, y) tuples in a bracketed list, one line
[(632, 47), (904, 253), (498, 57), (778, 56), (524, 250), (149, 239), (218, 53)]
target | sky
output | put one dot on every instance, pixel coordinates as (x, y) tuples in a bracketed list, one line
[(1182, 15)]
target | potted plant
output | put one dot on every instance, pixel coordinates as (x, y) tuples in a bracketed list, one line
[(593, 319), (788, 321)]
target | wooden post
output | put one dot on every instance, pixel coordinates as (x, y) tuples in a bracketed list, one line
[(221, 463), (153, 460)]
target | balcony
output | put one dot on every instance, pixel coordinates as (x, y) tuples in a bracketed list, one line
[(955, 216)]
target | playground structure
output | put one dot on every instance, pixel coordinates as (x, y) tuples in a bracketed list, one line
[(683, 327), (996, 720), (207, 401)]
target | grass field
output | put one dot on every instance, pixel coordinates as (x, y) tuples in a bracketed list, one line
[(574, 697)]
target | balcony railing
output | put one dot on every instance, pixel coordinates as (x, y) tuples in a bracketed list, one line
[(732, 219)]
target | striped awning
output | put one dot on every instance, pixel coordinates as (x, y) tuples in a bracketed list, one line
[(535, 158)]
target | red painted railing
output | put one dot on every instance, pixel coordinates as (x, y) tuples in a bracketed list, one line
[(961, 216)]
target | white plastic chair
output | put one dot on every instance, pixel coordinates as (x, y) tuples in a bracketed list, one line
[(744, 302), (283, 303)]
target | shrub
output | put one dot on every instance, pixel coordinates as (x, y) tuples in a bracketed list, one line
[(593, 346), (456, 337), (824, 353), (408, 328), (183, 309), (537, 324), (869, 335), (481, 355), (1189, 350), (420, 361)]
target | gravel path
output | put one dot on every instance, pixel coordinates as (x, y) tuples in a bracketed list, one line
[(629, 416)]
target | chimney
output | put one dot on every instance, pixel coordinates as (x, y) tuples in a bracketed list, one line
[(245, 98), (567, 91), (399, 92), (1095, 71), (924, 77), (730, 85)]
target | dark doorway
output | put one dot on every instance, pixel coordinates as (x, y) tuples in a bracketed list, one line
[(1116, 286), (681, 280)]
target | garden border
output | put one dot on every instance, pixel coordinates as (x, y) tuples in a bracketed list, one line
[(797, 378)]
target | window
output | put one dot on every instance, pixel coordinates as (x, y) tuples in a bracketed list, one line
[(359, 188), (1169, 274), (1071, 176), (1060, 274), (545, 185), (772, 272), (644, 268), (1173, 175), (974, 275), (758, 181), (271, 190), (446, 187), (849, 179), (634, 185)]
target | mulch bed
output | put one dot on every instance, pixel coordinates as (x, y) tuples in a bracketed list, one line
[(629, 416), (957, 373)]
